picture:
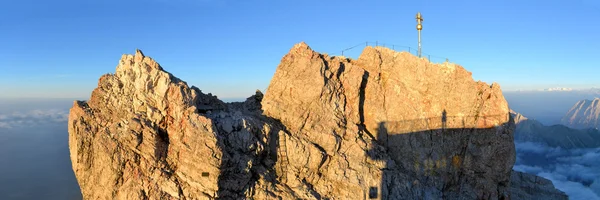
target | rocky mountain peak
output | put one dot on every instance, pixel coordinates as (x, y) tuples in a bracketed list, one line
[(584, 114), (388, 125), (517, 117)]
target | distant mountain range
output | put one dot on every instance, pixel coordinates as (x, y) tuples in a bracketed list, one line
[(530, 130), (592, 90), (584, 114), (548, 106)]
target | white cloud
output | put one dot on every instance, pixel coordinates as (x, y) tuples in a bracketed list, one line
[(531, 147), (4, 125), (32, 118), (573, 171), (574, 190)]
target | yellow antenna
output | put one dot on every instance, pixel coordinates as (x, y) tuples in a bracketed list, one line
[(419, 27)]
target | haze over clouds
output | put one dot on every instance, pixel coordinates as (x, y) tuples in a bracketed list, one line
[(547, 107), (574, 171), (34, 150), (33, 118)]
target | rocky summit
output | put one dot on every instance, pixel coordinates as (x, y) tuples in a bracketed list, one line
[(387, 125)]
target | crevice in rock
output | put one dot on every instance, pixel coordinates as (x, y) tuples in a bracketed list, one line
[(324, 154), (307, 115), (162, 142), (323, 71), (208, 195), (311, 189), (144, 195), (291, 191), (179, 189)]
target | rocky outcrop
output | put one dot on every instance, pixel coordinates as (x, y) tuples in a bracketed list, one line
[(584, 114), (387, 125), (529, 186), (390, 122), (529, 130), (142, 135)]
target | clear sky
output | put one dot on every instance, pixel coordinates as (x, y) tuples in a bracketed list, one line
[(231, 48)]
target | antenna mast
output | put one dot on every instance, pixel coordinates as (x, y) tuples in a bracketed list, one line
[(419, 27)]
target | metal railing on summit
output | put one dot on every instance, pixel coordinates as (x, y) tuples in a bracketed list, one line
[(412, 50)]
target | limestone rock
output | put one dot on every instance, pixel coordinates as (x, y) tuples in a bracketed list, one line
[(528, 186), (387, 125), (145, 134), (390, 121)]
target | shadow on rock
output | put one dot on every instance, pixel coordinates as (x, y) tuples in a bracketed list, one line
[(443, 158)]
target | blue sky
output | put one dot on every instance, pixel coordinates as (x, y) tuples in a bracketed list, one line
[(59, 49)]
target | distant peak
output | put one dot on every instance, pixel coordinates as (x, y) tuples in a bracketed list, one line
[(590, 100), (558, 89), (517, 117)]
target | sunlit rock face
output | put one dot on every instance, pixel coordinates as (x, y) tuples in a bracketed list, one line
[(388, 125), (391, 121)]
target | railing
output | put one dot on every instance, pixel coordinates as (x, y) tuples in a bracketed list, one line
[(396, 47), (409, 49), (442, 122)]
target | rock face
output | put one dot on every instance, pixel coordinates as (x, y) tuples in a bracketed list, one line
[(385, 126), (529, 130), (391, 123), (584, 114), (529, 186), (143, 135)]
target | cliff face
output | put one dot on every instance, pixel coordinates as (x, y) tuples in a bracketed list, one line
[(387, 125), (529, 186), (584, 114), (392, 122)]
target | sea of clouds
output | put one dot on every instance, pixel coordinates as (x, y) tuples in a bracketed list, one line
[(34, 151), (32, 118), (573, 171)]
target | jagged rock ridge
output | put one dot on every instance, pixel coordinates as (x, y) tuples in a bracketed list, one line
[(530, 130), (529, 186), (387, 125), (584, 114)]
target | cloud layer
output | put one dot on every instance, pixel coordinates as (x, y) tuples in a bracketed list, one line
[(32, 118), (574, 171)]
